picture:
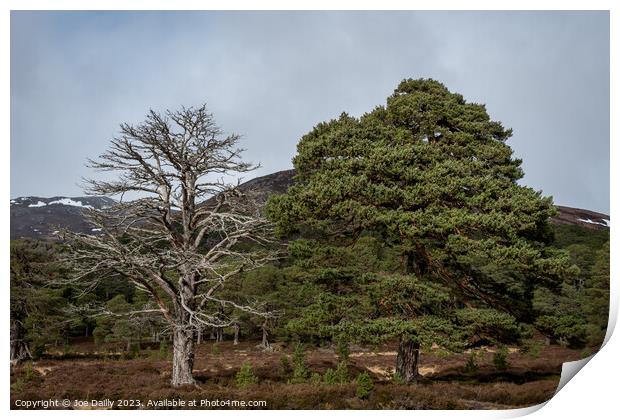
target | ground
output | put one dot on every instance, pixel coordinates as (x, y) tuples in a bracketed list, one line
[(83, 372)]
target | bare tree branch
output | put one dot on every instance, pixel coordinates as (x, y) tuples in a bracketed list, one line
[(189, 233)]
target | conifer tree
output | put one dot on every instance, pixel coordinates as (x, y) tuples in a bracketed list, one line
[(432, 176), (37, 311), (597, 296)]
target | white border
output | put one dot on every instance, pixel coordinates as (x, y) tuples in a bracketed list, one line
[(592, 395)]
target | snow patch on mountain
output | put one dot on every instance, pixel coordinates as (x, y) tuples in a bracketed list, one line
[(81, 202), (604, 222), (38, 204), (70, 202)]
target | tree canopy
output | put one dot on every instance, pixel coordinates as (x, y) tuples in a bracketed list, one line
[(188, 234), (432, 176)]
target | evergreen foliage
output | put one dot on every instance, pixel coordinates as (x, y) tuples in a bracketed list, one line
[(429, 177), (405, 224), (597, 296), (577, 313), (337, 376), (364, 385), (245, 376), (38, 301), (500, 358), (300, 371)]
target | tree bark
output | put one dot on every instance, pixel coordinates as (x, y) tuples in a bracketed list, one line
[(19, 347), (219, 335), (236, 337), (219, 332), (265, 342), (182, 357), (199, 339), (407, 360)]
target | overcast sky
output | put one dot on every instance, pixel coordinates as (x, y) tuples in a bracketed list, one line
[(272, 76)]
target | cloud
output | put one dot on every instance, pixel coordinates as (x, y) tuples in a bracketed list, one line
[(272, 76)]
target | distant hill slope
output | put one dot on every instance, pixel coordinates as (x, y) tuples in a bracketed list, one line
[(36, 217), (587, 218)]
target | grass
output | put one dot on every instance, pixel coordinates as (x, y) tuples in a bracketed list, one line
[(526, 381)]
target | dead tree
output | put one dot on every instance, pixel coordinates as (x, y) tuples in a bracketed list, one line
[(180, 240), (219, 331), (265, 340), (236, 335)]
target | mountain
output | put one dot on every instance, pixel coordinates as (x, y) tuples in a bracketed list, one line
[(38, 217), (586, 218)]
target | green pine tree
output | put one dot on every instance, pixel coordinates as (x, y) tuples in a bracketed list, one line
[(431, 175), (597, 297)]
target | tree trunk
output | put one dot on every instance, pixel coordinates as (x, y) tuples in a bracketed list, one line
[(407, 360), (182, 357), (199, 339), (219, 332), (183, 334), (236, 338), (265, 343), (19, 347)]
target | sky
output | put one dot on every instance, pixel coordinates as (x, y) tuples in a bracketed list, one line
[(272, 76)]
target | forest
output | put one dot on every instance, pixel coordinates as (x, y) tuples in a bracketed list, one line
[(406, 267)]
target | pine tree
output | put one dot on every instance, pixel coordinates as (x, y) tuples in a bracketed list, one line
[(597, 296), (432, 176), (37, 310)]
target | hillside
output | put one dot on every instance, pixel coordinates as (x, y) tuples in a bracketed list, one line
[(39, 217)]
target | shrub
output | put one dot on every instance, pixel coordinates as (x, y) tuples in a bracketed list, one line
[(135, 350), (471, 366), (315, 379), (37, 348), (442, 353), (532, 348), (342, 373), (163, 349), (215, 349), (329, 377), (397, 379), (500, 358), (245, 376), (342, 349), (99, 335), (285, 364), (338, 376), (300, 372), (29, 372), (364, 385), (18, 385)]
